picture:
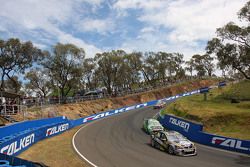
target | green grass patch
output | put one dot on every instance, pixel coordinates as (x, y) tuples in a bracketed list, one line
[(239, 91), (218, 114)]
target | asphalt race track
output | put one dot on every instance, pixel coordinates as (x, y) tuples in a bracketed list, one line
[(118, 141)]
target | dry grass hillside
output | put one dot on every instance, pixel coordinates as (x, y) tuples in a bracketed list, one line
[(77, 110)]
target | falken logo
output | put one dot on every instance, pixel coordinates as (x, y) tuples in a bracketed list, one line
[(18, 145), (232, 143), (179, 123), (109, 113), (57, 129), (181, 95)]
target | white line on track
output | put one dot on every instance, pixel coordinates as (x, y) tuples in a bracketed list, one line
[(78, 152), (84, 126)]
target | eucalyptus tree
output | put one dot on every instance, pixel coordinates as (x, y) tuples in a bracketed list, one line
[(15, 58), (38, 82), (89, 68), (232, 47), (64, 65), (149, 68), (162, 64), (110, 68), (190, 66), (198, 65), (207, 62), (176, 63), (133, 66), (13, 84)]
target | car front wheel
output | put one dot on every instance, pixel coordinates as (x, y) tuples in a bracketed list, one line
[(170, 150)]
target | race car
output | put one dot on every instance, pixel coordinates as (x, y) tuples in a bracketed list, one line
[(159, 105), (173, 144), (151, 126), (177, 134)]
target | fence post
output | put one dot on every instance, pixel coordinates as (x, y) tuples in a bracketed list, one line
[(5, 113)]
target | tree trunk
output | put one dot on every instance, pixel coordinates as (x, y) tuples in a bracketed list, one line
[(244, 74), (2, 83), (14, 81)]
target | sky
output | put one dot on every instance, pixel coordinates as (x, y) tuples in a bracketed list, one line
[(182, 26)]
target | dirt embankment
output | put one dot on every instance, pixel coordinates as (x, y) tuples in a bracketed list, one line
[(77, 110)]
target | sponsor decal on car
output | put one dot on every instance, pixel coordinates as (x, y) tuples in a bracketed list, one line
[(18, 145), (57, 129), (231, 143), (180, 123), (109, 113)]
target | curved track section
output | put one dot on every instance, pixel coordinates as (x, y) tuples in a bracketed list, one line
[(119, 141)]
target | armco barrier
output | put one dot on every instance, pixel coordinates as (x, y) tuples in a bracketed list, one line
[(193, 131)]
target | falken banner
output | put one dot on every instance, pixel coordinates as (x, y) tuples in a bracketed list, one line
[(126, 109), (16, 143), (193, 131)]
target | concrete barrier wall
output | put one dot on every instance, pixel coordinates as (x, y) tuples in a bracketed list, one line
[(193, 131), (27, 125), (15, 143)]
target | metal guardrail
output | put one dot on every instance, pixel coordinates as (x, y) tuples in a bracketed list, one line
[(7, 111), (76, 99), (12, 109)]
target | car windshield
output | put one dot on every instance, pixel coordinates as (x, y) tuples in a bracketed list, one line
[(173, 138), (180, 136)]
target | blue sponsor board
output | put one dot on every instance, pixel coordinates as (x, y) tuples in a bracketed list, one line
[(172, 98), (193, 131), (204, 90), (126, 109), (13, 145), (222, 83), (117, 111), (178, 124), (226, 143), (21, 127)]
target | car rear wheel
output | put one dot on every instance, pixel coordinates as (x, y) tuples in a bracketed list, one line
[(170, 150)]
